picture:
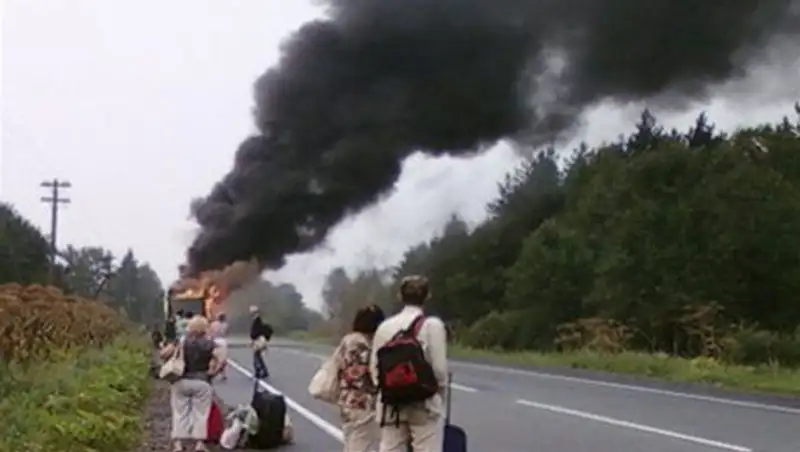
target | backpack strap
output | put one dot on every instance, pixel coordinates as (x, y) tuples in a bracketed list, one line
[(416, 325), (413, 328)]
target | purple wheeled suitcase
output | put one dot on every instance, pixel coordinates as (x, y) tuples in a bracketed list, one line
[(455, 438)]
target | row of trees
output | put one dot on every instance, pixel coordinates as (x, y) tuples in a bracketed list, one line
[(281, 306), (126, 284), (671, 240), (343, 295)]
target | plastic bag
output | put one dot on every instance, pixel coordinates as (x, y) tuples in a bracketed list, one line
[(231, 436)]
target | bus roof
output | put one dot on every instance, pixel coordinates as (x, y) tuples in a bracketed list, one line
[(188, 295)]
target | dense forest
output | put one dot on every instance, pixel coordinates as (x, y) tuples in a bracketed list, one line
[(281, 305), (684, 242), (129, 286)]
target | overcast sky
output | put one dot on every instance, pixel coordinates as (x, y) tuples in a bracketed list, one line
[(141, 104)]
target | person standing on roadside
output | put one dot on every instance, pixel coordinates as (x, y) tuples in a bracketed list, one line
[(260, 335), (217, 332), (192, 395), (418, 423), (181, 322), (223, 324), (170, 330), (357, 391)]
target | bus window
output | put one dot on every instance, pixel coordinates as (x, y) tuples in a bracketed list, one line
[(194, 305)]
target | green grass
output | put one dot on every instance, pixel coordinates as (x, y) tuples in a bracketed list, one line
[(89, 401), (764, 378), (768, 378)]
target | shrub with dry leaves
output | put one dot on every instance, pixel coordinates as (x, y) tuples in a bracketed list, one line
[(36, 321)]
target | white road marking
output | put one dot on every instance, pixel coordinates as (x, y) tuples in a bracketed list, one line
[(312, 417), (634, 426), (456, 386), (463, 388), (628, 387), (337, 434), (611, 385)]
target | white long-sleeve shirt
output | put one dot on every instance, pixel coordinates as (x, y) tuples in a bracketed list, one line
[(433, 338)]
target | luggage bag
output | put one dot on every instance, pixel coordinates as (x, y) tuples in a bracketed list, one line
[(455, 438), (271, 411)]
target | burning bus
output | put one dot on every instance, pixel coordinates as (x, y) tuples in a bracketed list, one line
[(196, 295), (205, 293)]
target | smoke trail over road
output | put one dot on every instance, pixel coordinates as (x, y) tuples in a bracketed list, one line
[(356, 93)]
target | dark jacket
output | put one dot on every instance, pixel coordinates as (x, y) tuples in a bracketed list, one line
[(170, 332), (258, 328)]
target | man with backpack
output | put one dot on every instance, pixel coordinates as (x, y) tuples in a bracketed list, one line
[(409, 365)]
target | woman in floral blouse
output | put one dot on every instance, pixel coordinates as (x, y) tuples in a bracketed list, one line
[(357, 390)]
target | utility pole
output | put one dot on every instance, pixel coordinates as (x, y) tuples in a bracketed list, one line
[(55, 200)]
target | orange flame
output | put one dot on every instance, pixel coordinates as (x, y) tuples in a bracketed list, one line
[(213, 294), (215, 285)]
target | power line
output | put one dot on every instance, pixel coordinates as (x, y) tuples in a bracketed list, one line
[(55, 200)]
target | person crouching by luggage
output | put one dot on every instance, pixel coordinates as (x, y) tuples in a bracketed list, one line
[(410, 410), (260, 334), (191, 395), (357, 391)]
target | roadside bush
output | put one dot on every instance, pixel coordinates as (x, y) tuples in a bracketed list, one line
[(509, 330), (595, 334), (751, 346), (72, 379), (78, 401)]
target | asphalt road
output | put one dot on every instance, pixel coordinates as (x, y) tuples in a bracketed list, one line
[(513, 410)]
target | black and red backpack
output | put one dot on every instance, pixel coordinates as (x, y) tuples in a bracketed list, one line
[(405, 376)]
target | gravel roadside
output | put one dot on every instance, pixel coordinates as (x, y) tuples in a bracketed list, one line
[(157, 421)]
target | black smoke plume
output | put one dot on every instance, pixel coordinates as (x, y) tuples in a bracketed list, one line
[(357, 92)]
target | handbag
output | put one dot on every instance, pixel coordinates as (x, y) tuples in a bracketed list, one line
[(232, 435), (324, 385), (260, 344), (172, 370)]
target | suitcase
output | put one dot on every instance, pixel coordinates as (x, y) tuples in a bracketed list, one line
[(271, 411), (455, 438)]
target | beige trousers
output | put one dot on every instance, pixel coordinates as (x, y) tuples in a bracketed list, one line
[(419, 426), (360, 433), (191, 402)]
